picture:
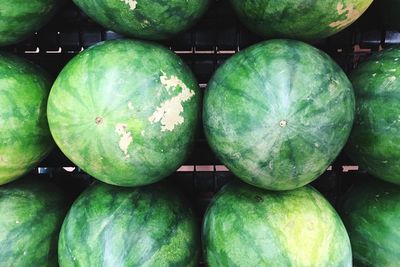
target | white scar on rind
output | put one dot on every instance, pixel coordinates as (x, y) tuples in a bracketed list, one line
[(131, 3), (169, 112), (352, 14), (125, 137)]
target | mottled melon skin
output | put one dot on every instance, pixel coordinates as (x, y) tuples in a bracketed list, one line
[(374, 143), (20, 18), (300, 20), (247, 226), (371, 214), (111, 226), (24, 133), (31, 214), (278, 113), (125, 111), (145, 19)]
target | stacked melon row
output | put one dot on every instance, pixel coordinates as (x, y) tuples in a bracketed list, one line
[(132, 118), (277, 114)]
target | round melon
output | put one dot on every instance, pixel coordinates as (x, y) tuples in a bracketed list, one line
[(278, 113), (20, 18), (247, 226), (31, 215), (374, 143), (117, 226), (24, 133), (302, 20), (125, 112), (145, 19), (371, 213)]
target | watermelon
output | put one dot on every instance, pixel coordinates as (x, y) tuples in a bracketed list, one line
[(21, 18), (278, 113), (374, 143), (24, 133), (125, 111), (371, 213), (145, 19), (302, 20), (247, 226), (119, 226), (31, 215)]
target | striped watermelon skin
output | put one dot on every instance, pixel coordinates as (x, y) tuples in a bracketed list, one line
[(117, 226), (125, 111), (374, 143), (278, 113), (300, 20), (19, 18), (371, 213), (31, 215), (248, 226), (145, 19), (24, 133)]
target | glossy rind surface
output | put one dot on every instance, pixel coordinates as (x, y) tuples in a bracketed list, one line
[(278, 113)]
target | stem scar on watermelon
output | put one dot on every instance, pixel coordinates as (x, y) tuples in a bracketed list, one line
[(125, 111), (99, 120), (278, 113)]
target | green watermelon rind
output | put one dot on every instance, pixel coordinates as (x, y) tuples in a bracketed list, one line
[(31, 215), (108, 112), (374, 142), (143, 226), (248, 226), (371, 214), (300, 20), (19, 19), (145, 19), (278, 113), (25, 138)]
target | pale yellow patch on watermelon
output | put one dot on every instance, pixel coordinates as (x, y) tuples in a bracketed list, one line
[(305, 232), (352, 13), (131, 3), (125, 137), (169, 112)]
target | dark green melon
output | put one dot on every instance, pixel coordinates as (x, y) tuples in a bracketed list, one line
[(117, 226), (302, 20), (278, 113), (125, 111), (146, 19), (246, 226), (371, 213), (31, 215), (20, 18), (24, 133), (374, 143)]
